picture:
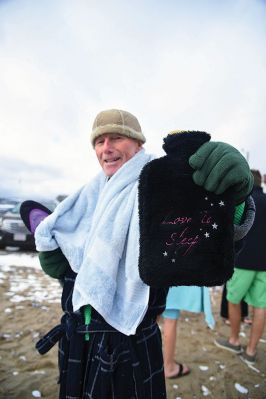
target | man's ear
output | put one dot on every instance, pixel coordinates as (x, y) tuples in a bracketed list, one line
[(140, 144)]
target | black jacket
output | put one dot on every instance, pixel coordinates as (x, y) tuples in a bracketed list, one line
[(253, 255)]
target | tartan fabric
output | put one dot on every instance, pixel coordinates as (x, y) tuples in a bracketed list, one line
[(110, 365)]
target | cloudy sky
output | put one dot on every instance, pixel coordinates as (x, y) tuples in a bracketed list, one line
[(195, 64)]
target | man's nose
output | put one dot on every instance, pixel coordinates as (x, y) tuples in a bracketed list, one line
[(107, 145)]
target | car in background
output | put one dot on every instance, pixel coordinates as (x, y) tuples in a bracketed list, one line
[(6, 205), (13, 232)]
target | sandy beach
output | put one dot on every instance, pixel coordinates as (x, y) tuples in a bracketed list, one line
[(30, 306)]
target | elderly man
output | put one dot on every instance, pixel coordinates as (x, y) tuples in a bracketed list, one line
[(109, 341)]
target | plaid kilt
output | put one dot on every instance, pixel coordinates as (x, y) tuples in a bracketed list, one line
[(110, 365)]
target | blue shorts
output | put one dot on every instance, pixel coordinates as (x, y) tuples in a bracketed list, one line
[(173, 314)]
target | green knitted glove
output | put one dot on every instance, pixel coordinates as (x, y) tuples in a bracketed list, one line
[(54, 263), (220, 166)]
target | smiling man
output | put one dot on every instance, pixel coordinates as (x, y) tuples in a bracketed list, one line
[(116, 137), (113, 150), (109, 340)]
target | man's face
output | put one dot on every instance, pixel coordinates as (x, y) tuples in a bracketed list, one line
[(113, 150)]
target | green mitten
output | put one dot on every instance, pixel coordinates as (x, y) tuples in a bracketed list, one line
[(54, 263), (219, 166)]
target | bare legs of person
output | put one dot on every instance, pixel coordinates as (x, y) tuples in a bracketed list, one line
[(257, 328), (233, 343), (172, 369), (234, 311)]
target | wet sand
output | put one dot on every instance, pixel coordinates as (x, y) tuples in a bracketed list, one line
[(30, 306)]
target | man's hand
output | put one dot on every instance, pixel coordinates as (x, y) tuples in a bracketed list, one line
[(219, 166)]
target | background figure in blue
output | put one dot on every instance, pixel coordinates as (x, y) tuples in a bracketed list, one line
[(249, 282), (189, 298)]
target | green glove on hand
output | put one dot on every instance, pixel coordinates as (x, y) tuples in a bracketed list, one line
[(220, 166)]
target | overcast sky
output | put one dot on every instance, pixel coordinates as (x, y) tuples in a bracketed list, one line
[(198, 65)]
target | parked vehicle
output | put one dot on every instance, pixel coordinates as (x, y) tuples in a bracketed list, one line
[(6, 205), (13, 232)]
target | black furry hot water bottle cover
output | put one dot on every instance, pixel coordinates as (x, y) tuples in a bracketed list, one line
[(186, 232)]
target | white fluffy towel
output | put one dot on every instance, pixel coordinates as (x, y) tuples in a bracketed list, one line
[(97, 229)]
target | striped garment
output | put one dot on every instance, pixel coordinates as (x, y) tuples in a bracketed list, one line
[(110, 365)]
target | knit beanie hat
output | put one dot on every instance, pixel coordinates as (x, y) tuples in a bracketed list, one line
[(116, 121)]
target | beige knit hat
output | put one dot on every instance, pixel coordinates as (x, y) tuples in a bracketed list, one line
[(116, 121)]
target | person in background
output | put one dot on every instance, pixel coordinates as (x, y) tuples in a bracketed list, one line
[(109, 340), (249, 282), (224, 309), (188, 298)]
